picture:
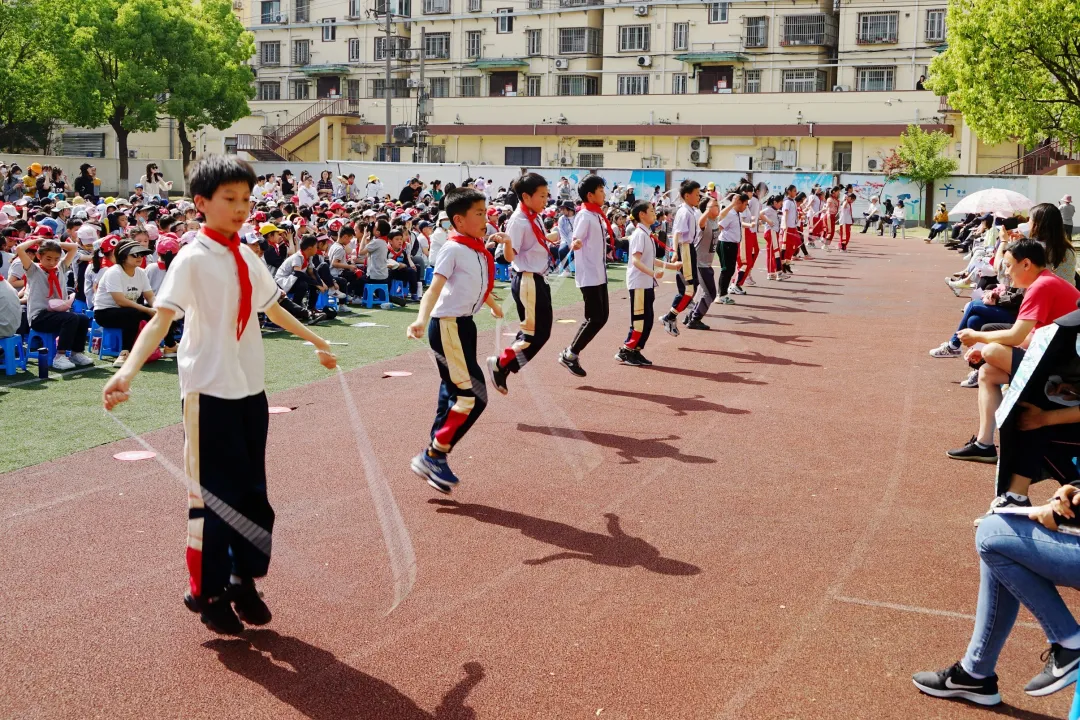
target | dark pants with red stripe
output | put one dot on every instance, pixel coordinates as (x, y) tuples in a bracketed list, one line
[(641, 318), (686, 280), (463, 391), (225, 454), (533, 298)]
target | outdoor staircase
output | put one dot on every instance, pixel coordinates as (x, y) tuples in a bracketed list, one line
[(273, 143), (1042, 161)]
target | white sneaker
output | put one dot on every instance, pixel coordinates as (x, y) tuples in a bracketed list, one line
[(736, 290), (566, 273), (337, 294), (119, 362), (946, 350), (61, 362), (750, 280), (81, 360), (971, 381)]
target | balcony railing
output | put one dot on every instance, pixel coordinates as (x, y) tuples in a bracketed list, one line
[(1042, 160)]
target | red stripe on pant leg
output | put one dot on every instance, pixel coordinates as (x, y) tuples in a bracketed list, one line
[(193, 558), (635, 338), (454, 420), (506, 357), (683, 302)]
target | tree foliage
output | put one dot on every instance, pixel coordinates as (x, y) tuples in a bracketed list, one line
[(1012, 67), (28, 98), (920, 159)]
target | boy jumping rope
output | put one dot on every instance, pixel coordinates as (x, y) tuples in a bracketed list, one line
[(686, 230), (641, 279), (461, 285), (529, 256), (219, 285)]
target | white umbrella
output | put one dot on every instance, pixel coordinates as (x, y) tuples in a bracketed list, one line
[(994, 200)]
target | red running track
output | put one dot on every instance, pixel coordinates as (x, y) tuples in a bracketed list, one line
[(764, 525)]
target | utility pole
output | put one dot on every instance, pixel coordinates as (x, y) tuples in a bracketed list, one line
[(421, 103), (389, 91)]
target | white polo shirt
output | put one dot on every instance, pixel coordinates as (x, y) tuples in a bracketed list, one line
[(641, 242), (686, 228), (202, 286), (466, 273), (789, 218), (590, 267), (531, 255)]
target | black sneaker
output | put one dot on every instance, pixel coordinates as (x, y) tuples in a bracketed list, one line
[(632, 358), (974, 453), (642, 359), (215, 613), (1003, 501), (671, 324), (571, 364), (249, 603), (954, 682), (316, 318), (620, 357), (498, 377), (1060, 671), (697, 325)]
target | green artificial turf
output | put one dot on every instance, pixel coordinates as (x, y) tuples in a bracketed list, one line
[(40, 421)]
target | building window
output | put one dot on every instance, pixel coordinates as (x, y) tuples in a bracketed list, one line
[(505, 23), (590, 143), (580, 41), (440, 87), (634, 38), (270, 53), (352, 89), (356, 8), (302, 13), (935, 25), (301, 52), (591, 160), (397, 46), (718, 12), (269, 91), (536, 4), (680, 39), (841, 156), (521, 156), (757, 32), (627, 146), (437, 46), (270, 12), (472, 44), (354, 49), (534, 42), (877, 28), (804, 81), (469, 86), (752, 82), (230, 145), (579, 85), (633, 84), (678, 84), (807, 30), (875, 78), (329, 29), (398, 88), (436, 7), (402, 8), (532, 85), (475, 6), (299, 90), (388, 154)]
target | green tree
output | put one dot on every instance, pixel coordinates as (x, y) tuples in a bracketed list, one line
[(209, 82), (920, 159), (29, 77), (1012, 68)]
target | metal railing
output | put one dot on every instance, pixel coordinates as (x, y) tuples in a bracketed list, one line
[(256, 144), (323, 107), (1042, 160)]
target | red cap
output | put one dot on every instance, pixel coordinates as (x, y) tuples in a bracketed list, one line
[(336, 206), (168, 245), (43, 231), (109, 243)]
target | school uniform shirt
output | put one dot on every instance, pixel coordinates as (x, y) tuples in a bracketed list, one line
[(706, 243), (466, 274), (6, 260), (753, 207), (378, 252), (89, 281), (731, 228), (438, 239), (37, 294), (641, 242), (155, 273), (307, 196), (531, 255), (685, 227), (845, 214), (202, 287), (296, 261), (116, 280), (566, 230), (590, 268), (10, 310), (815, 204), (336, 252), (789, 214), (772, 219)]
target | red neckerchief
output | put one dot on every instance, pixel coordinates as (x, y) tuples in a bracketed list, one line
[(607, 223), (478, 247), (161, 265), (233, 244), (533, 218), (54, 282), (304, 259), (106, 262)]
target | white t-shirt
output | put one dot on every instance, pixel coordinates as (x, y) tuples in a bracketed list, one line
[(296, 261), (336, 252), (590, 269), (203, 287), (438, 239), (531, 254), (6, 260), (307, 196), (753, 206), (116, 280), (772, 219), (641, 242), (466, 273), (731, 227), (89, 280), (845, 213), (156, 275), (790, 214), (685, 229)]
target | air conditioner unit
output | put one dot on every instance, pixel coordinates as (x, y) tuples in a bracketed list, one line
[(566, 160), (644, 60), (132, 154), (641, 10), (768, 153), (358, 146), (410, 55), (872, 163), (282, 19), (841, 88), (562, 64), (412, 82), (699, 150)]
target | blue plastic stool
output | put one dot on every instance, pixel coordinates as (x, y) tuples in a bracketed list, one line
[(369, 294), (79, 307), (14, 355), (397, 288), (112, 343), (429, 275), (332, 303), (622, 255), (1074, 714), (502, 272), (320, 302), (44, 340)]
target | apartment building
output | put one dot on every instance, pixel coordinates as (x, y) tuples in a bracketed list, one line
[(756, 84)]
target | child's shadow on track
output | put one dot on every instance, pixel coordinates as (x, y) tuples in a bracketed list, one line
[(680, 406), (616, 549), (320, 686), (629, 449)]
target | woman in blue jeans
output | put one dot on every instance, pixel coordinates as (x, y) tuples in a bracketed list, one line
[(1021, 560), (976, 314)]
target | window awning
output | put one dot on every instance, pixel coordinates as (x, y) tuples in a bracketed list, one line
[(711, 58), (325, 70), (498, 63)]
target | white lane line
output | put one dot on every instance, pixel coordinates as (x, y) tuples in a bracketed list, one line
[(920, 610)]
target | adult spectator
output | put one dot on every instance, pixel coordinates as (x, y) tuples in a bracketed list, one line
[(307, 194), (941, 222), (439, 237), (374, 189), (410, 192), (1047, 226), (1046, 298), (1067, 211), (86, 185), (13, 188), (120, 288), (154, 183), (325, 186)]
